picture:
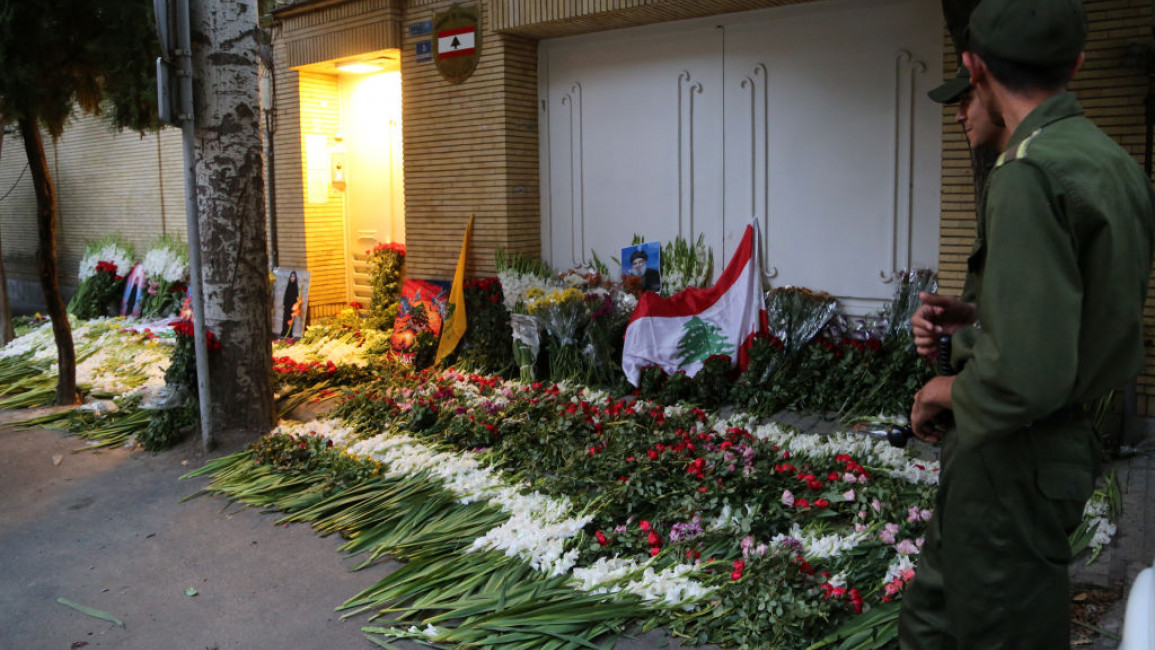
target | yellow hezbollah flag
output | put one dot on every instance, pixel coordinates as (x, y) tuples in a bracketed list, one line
[(454, 327)]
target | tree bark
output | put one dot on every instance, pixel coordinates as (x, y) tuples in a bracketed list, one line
[(6, 331), (66, 392), (230, 191)]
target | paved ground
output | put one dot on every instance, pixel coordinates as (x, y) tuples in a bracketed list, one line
[(107, 530)]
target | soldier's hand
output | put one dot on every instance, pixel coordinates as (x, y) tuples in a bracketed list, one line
[(937, 316), (932, 400)]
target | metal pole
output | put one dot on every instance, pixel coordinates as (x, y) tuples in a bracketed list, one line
[(183, 53)]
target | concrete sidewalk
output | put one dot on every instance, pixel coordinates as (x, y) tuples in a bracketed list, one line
[(1132, 549)]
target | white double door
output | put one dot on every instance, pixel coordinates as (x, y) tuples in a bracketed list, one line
[(811, 119)]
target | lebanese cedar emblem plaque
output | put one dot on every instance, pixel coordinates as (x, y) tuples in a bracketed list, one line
[(457, 42)]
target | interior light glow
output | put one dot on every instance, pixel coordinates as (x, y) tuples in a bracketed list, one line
[(359, 68)]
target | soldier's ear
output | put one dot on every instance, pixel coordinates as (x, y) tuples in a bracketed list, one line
[(1078, 64), (975, 65)]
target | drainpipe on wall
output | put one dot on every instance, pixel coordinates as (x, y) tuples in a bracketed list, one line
[(268, 107)]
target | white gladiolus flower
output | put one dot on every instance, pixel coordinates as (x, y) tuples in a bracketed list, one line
[(108, 253), (164, 264), (821, 546), (538, 526)]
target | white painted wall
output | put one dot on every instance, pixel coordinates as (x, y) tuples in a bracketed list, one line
[(812, 119)]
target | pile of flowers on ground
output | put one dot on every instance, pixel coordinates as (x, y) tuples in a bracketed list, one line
[(580, 511), (687, 515)]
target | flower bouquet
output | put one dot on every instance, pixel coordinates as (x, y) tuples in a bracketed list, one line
[(166, 271), (564, 315), (685, 265), (520, 276), (101, 276)]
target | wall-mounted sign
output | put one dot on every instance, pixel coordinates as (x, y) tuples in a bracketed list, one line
[(420, 28), (457, 42), (424, 51)]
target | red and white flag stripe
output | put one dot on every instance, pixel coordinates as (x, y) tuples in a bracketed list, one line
[(456, 42)]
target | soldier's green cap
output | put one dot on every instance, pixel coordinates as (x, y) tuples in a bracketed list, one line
[(1033, 32), (950, 91)]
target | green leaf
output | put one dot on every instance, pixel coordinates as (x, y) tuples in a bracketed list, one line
[(95, 613)]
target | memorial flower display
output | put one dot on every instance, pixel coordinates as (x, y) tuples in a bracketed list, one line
[(560, 512)]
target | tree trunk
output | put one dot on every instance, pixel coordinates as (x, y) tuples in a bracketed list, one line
[(46, 260), (6, 331), (230, 191)]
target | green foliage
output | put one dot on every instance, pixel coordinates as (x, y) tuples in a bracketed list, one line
[(97, 294), (387, 272), (651, 381), (488, 343), (167, 427), (99, 54), (714, 381), (602, 342), (521, 264), (424, 347)]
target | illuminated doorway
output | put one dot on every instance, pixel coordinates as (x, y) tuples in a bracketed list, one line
[(371, 144)]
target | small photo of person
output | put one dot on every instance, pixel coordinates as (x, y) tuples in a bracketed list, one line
[(643, 261), (290, 298)]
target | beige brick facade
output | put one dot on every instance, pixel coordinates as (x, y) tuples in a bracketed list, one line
[(1113, 97), (105, 182)]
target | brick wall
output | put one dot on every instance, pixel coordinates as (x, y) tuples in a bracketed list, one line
[(470, 148), (105, 182), (1113, 97)]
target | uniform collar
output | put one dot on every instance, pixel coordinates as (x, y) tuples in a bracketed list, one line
[(1052, 110)]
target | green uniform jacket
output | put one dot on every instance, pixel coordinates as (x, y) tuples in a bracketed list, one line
[(1059, 274)]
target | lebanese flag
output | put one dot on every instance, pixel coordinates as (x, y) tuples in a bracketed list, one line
[(456, 42), (682, 331)]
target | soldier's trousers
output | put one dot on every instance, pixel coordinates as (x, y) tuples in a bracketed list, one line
[(993, 570)]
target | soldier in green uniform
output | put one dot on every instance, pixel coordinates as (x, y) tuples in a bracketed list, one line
[(1052, 318)]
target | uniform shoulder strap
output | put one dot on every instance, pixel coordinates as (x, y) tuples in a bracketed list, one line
[(1018, 152)]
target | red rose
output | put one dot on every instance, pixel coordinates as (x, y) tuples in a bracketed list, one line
[(602, 538)]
